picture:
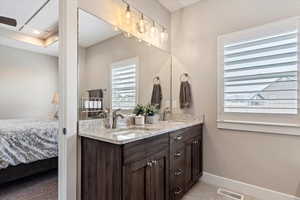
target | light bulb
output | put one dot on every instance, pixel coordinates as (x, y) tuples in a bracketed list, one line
[(164, 35), (153, 30), (116, 28), (128, 13), (141, 25), (128, 35)]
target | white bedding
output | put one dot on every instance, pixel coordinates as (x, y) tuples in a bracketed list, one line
[(27, 140)]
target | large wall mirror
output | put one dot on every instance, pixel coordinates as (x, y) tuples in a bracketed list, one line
[(117, 71)]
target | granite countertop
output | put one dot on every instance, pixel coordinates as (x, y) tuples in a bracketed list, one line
[(91, 129)]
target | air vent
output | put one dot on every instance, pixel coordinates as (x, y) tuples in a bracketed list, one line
[(229, 195)]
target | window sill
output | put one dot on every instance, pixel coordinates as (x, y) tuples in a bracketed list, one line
[(272, 128)]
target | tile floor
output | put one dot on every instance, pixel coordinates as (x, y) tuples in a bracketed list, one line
[(202, 191)]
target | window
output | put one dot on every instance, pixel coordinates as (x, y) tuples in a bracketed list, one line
[(124, 84), (258, 76)]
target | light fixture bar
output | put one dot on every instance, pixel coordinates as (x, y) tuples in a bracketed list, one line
[(139, 11)]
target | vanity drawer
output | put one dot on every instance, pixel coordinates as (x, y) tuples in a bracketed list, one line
[(178, 192), (179, 158), (179, 137), (142, 149)]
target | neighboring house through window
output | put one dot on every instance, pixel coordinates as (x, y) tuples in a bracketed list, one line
[(259, 78)]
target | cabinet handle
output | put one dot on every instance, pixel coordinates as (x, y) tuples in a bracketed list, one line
[(177, 155), (178, 172), (195, 142), (178, 191), (149, 164), (154, 162), (179, 137)]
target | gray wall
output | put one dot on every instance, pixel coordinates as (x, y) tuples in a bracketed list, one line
[(27, 83), (267, 160)]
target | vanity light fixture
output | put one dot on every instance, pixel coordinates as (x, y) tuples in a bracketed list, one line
[(134, 22)]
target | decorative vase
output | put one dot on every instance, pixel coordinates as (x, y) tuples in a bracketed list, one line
[(139, 120), (152, 119)]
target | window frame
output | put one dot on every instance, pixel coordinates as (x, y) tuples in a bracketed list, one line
[(256, 122), (124, 63)]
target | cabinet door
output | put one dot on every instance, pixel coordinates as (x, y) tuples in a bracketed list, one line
[(137, 181), (189, 164), (197, 159), (193, 170), (160, 176)]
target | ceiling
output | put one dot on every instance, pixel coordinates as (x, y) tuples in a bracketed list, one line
[(36, 34), (173, 5), (93, 30)]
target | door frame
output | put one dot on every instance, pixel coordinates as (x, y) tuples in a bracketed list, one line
[(67, 173)]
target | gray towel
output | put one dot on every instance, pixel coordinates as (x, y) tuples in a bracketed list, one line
[(156, 95), (185, 96)]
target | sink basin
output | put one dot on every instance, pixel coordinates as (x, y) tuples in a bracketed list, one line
[(175, 122), (129, 130)]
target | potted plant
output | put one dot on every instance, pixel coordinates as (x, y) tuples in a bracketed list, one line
[(151, 112), (139, 112)]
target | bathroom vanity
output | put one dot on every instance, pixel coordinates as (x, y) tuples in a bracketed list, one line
[(154, 162)]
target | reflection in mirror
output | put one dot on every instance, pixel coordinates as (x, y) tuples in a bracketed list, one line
[(118, 72)]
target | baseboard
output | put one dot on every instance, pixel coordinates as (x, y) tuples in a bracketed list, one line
[(247, 189)]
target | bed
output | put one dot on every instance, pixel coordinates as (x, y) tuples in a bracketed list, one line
[(27, 147)]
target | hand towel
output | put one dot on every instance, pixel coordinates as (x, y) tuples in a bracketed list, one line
[(156, 95), (185, 96)]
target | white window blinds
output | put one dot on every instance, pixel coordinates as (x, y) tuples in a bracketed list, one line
[(261, 75), (123, 85)]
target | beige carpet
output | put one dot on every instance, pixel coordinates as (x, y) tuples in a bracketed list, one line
[(39, 187)]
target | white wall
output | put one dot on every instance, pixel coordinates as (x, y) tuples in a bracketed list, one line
[(152, 62), (266, 160), (27, 83)]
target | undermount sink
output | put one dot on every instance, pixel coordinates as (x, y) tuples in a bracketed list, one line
[(175, 122), (128, 130)]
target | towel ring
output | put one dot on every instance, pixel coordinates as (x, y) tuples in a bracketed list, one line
[(184, 77), (156, 80)]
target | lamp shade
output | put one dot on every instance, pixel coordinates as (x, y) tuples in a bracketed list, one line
[(55, 99)]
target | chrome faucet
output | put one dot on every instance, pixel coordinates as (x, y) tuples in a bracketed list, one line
[(166, 111), (115, 116)]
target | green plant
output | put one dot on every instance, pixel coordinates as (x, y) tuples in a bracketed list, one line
[(139, 110), (151, 110)]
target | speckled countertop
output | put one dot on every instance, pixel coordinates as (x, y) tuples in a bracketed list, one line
[(91, 129)]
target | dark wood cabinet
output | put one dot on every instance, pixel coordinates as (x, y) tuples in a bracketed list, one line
[(147, 179), (158, 168), (193, 161), (185, 160)]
